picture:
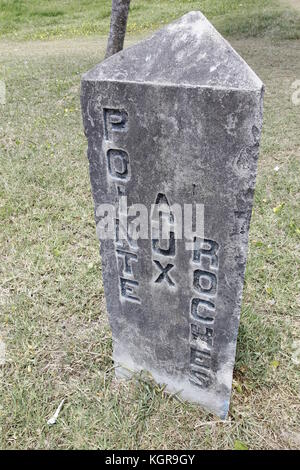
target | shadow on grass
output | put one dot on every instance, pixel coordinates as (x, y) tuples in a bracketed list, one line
[(259, 341)]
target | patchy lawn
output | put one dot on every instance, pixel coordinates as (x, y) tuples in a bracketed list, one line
[(53, 320), (43, 19)]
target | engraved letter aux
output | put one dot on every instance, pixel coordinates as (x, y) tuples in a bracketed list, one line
[(162, 220)]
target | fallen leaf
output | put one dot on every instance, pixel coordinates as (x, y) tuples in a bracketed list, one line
[(239, 445), (274, 364), (53, 418), (269, 290), (277, 209), (237, 386)]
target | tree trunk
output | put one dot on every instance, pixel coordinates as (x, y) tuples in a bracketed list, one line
[(118, 22)]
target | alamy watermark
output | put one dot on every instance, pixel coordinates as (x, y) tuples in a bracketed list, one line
[(296, 93), (162, 223)]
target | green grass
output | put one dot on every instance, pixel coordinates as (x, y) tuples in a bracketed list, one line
[(48, 19), (53, 320)]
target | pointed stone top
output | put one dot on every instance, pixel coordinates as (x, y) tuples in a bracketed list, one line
[(188, 52)]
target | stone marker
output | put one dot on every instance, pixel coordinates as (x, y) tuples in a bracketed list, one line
[(176, 119)]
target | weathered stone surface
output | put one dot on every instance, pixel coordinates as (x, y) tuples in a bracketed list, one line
[(178, 118)]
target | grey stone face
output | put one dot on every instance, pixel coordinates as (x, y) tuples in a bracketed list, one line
[(176, 119)]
